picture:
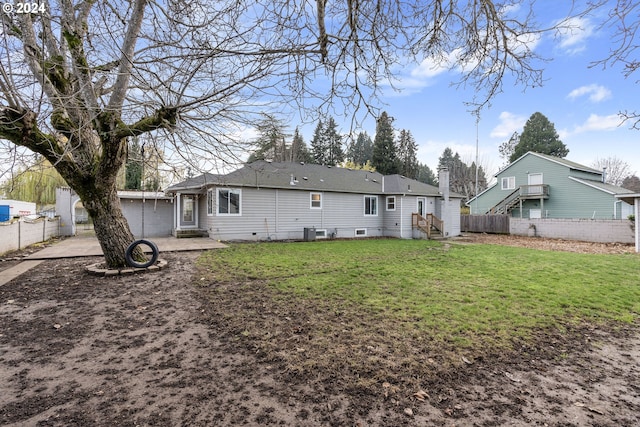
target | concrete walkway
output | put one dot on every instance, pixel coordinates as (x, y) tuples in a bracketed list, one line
[(85, 246)]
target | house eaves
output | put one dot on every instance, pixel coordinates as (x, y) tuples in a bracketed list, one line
[(599, 185)]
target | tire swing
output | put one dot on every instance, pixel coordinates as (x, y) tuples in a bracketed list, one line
[(128, 256)]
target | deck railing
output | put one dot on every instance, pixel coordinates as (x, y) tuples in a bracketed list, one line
[(427, 224)]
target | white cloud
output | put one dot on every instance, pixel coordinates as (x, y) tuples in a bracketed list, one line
[(574, 34), (596, 93), (509, 123), (599, 123)]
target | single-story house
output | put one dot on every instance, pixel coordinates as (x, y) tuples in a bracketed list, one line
[(542, 186), (284, 200)]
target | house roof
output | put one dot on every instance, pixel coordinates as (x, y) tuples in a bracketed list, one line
[(599, 185), (309, 177), (558, 160), (129, 194)]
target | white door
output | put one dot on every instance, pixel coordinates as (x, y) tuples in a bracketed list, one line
[(535, 183)]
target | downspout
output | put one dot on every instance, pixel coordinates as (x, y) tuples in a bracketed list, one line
[(401, 217)]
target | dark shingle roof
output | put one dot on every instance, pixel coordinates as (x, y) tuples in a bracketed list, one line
[(309, 177)]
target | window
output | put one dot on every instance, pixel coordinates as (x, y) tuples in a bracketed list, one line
[(316, 200), (509, 183), (187, 208), (371, 205), (228, 201), (391, 203), (210, 202), (321, 234), (361, 232)]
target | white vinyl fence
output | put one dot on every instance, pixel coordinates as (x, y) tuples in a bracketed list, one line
[(16, 235)]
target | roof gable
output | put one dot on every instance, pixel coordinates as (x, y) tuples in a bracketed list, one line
[(557, 160)]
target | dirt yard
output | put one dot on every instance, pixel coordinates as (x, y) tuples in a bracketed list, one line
[(174, 348)]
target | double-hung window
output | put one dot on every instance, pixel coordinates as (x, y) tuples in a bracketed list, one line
[(370, 205), (315, 200), (391, 203), (509, 183), (229, 201)]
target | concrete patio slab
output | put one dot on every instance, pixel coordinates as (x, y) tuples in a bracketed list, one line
[(81, 246)]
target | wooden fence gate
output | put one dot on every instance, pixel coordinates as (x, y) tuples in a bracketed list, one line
[(485, 223)]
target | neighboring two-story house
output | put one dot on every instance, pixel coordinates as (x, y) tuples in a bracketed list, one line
[(542, 186)]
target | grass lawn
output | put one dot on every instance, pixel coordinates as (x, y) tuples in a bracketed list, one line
[(469, 297)]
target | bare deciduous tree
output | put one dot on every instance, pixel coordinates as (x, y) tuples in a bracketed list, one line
[(81, 78), (615, 169)]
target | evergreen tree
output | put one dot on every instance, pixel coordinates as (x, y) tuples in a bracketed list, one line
[(319, 145), (270, 144), (335, 153), (462, 178), (539, 135), (299, 151), (133, 166), (408, 154), (361, 150), (385, 158), (426, 175)]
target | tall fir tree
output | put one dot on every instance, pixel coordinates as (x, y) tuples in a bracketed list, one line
[(299, 151), (426, 175), (361, 150), (385, 157), (408, 154), (539, 135), (335, 153), (270, 144), (319, 145)]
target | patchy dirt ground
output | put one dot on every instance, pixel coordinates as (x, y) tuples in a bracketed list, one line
[(174, 348)]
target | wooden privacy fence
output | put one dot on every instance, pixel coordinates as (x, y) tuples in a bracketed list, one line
[(485, 223)]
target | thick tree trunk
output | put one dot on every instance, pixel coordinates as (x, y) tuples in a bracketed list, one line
[(111, 227)]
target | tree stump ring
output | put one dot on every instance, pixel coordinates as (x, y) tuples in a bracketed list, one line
[(128, 256)]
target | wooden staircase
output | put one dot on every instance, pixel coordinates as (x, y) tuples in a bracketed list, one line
[(507, 204), (432, 226)]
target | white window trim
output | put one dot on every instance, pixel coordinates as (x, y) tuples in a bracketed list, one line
[(394, 203), (235, 190), (321, 234), (360, 235), (311, 200), (364, 210), (510, 181)]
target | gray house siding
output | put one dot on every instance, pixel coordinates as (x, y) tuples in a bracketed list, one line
[(158, 216), (276, 203), (278, 214)]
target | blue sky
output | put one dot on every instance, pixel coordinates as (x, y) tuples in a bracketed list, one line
[(582, 102)]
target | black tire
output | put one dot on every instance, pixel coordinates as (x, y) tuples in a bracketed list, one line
[(128, 256)]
